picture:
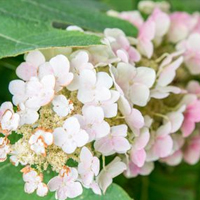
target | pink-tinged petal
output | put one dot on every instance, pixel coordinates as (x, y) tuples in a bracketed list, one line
[(147, 168), (122, 54), (42, 190), (176, 120), (17, 88), (162, 22), (26, 70), (163, 146), (120, 130), (121, 145), (61, 193), (30, 187), (138, 157), (169, 72), (146, 48), (188, 127), (87, 178), (95, 188), (134, 55), (193, 87), (75, 84), (147, 31), (45, 69), (164, 129), (86, 155), (192, 150), (95, 165), (139, 94), (35, 57), (145, 76), (141, 141), (135, 119), (104, 145), (174, 159), (74, 189)]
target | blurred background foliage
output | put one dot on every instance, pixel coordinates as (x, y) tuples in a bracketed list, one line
[(165, 183)]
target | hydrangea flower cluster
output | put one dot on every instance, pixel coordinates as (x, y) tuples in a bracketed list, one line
[(135, 99)]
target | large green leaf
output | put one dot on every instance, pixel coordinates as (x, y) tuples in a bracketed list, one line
[(11, 187), (28, 24)]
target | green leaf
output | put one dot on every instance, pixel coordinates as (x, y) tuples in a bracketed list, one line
[(12, 187), (185, 5), (28, 24)]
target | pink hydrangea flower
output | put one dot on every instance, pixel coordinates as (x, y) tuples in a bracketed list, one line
[(66, 184), (162, 22), (138, 153), (191, 48), (192, 150), (33, 181), (191, 114), (113, 169), (135, 82), (70, 136), (181, 25), (92, 121), (193, 87), (114, 142), (121, 45), (133, 170), (134, 17), (165, 75), (9, 121), (34, 93), (4, 148), (146, 35), (40, 140), (88, 168), (29, 69)]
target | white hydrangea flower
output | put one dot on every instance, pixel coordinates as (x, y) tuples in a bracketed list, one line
[(33, 181), (93, 122), (115, 142), (4, 148), (66, 184), (113, 169), (9, 121), (40, 139), (70, 136), (79, 62), (62, 106), (94, 87), (88, 167)]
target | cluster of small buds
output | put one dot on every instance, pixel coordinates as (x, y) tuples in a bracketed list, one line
[(135, 98)]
